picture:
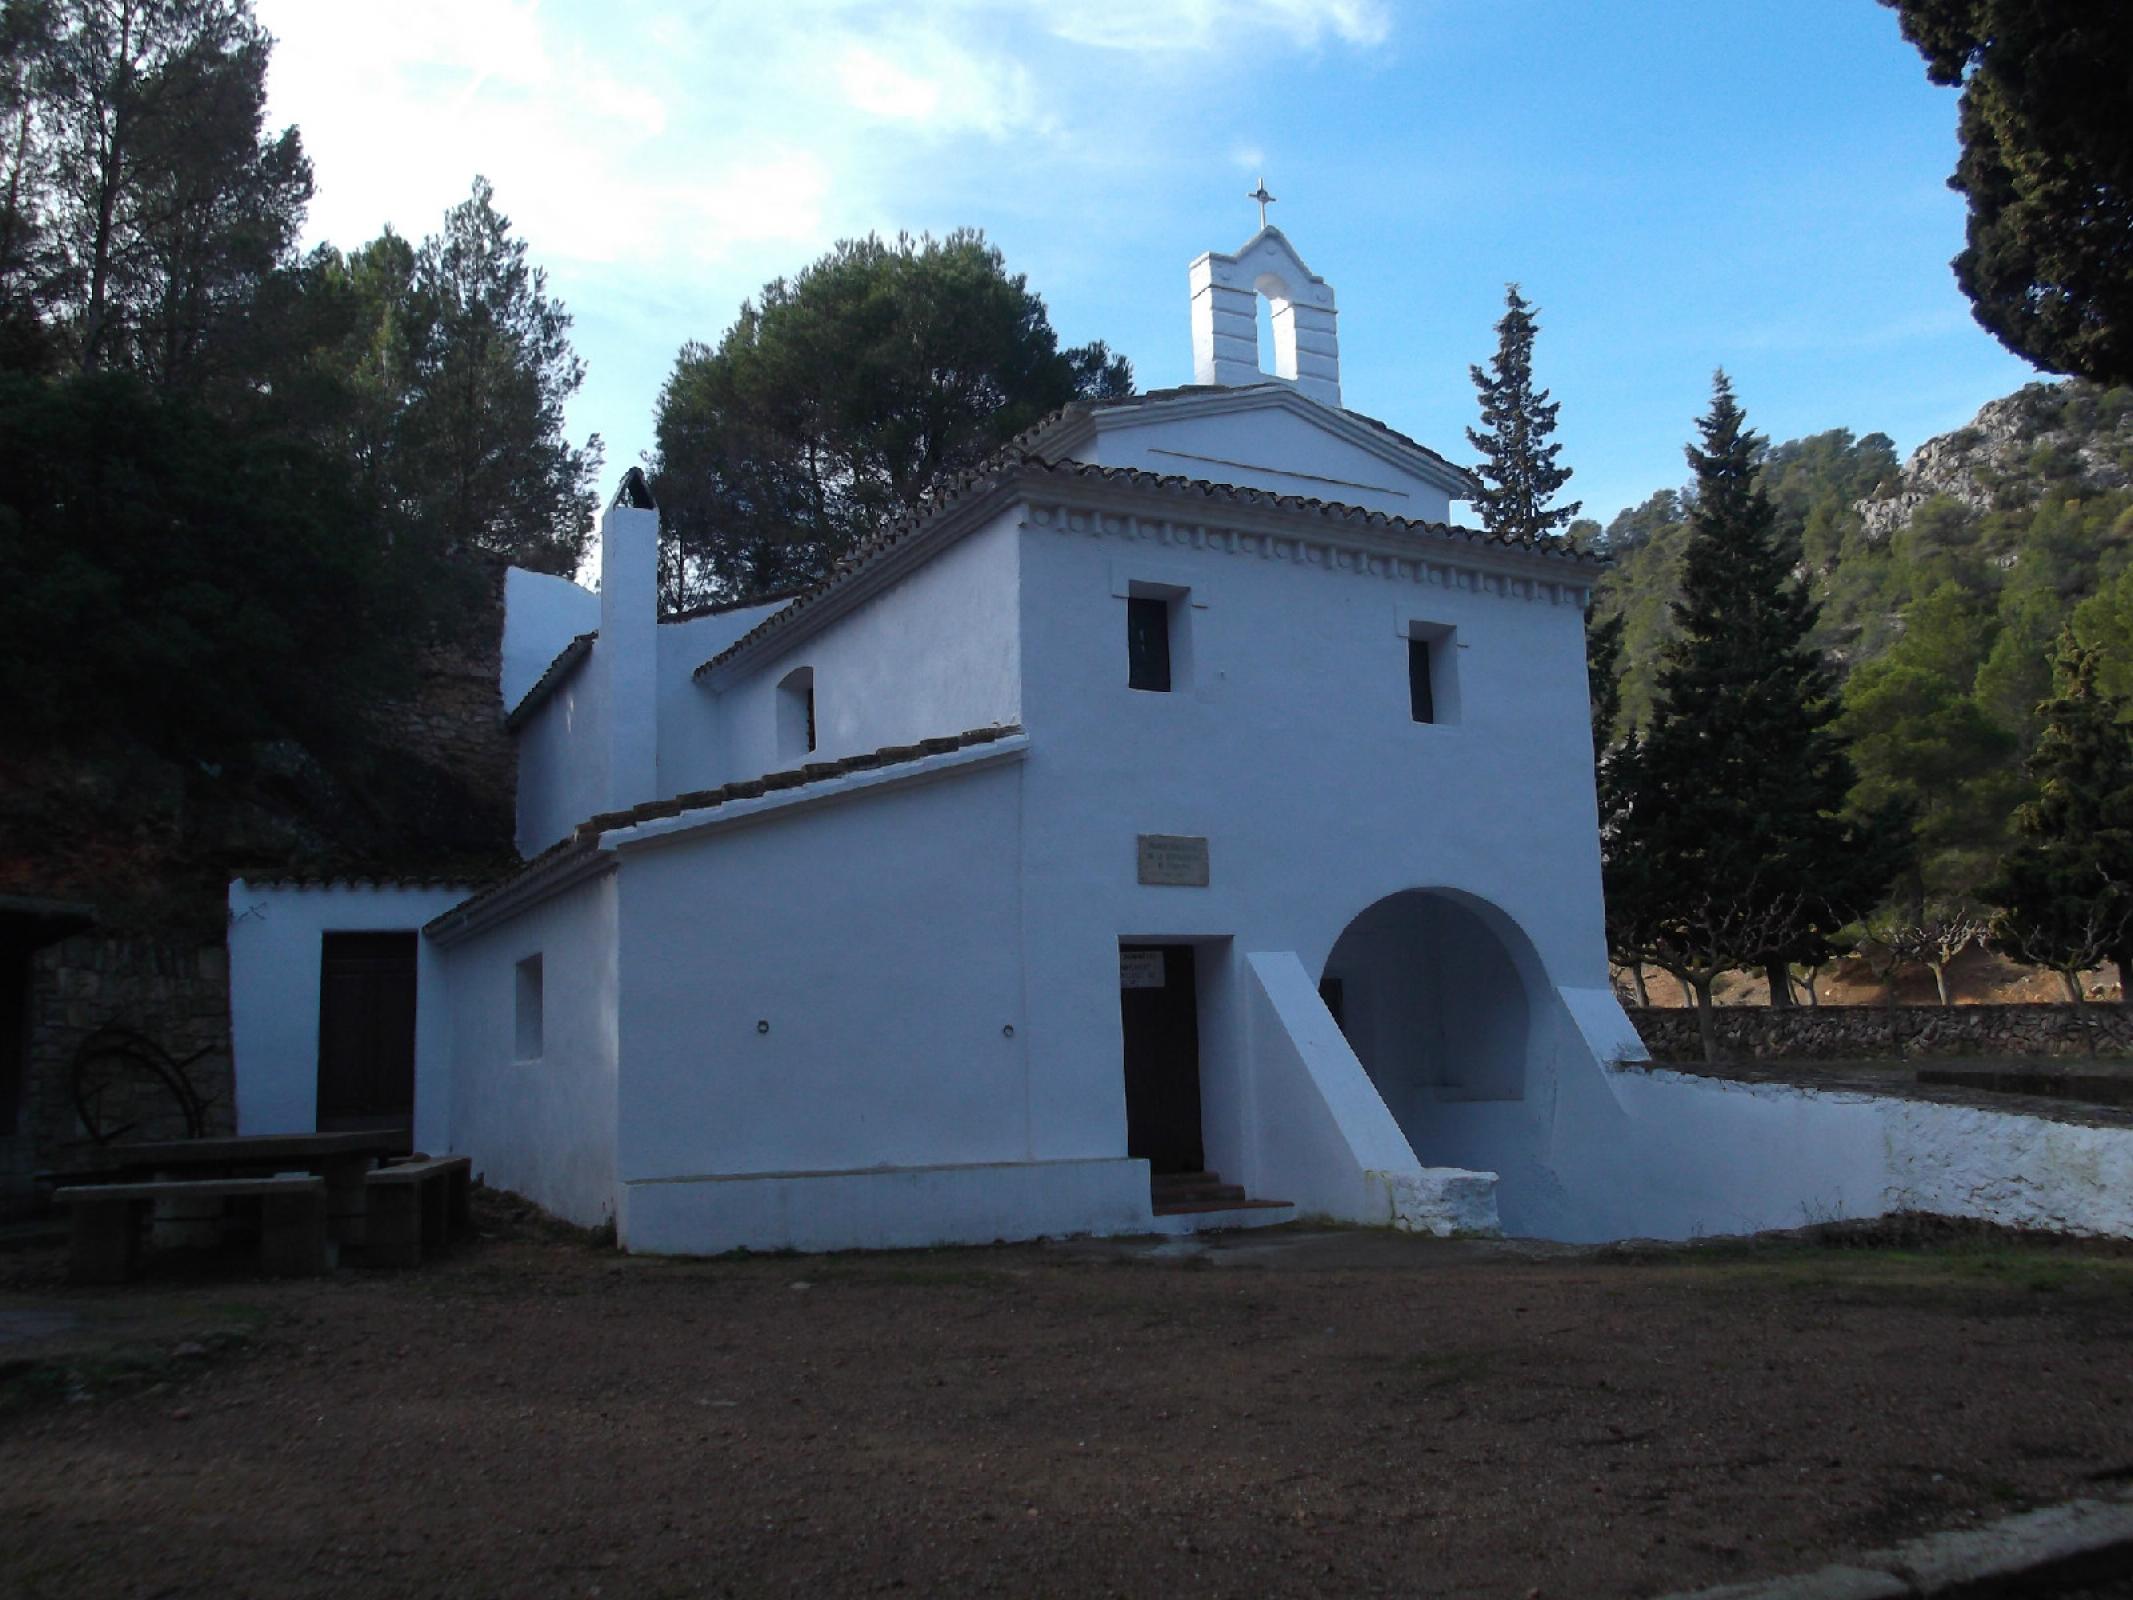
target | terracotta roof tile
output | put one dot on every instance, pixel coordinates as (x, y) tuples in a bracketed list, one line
[(564, 664), (1016, 463), (584, 839)]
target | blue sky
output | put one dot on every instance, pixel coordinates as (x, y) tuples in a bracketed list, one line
[(1678, 185)]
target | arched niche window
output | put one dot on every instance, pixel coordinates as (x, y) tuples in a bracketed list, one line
[(796, 713), (1278, 319)]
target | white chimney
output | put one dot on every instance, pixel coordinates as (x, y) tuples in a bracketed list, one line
[(627, 652)]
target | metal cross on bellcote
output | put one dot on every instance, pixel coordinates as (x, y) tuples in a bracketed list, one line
[(1259, 194)]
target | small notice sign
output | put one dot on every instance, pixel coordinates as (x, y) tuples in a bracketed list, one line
[(1140, 969), (1174, 858)]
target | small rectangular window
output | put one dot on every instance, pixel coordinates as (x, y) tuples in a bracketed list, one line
[(1148, 643), (1421, 688), (810, 717), (528, 1043)]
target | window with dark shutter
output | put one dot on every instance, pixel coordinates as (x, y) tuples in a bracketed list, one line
[(1421, 698), (1148, 643)]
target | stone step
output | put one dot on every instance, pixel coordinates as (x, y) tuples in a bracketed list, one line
[(1186, 1208)]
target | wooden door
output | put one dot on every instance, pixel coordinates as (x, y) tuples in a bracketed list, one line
[(366, 1031), (1159, 1006)]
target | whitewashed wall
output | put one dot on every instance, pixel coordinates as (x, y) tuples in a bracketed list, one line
[(823, 1030), (934, 654), (878, 939), (1292, 750), (275, 940), (544, 1128), (542, 614), (693, 750), (562, 760)]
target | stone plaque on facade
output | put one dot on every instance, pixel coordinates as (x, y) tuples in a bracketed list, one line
[(1174, 858)]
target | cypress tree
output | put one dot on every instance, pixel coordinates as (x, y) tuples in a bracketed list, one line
[(1731, 848), (2066, 891), (1518, 467)]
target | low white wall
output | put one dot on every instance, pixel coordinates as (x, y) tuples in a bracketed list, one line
[(275, 937), (829, 987), (544, 1128), (1778, 1155), (896, 1208), (1326, 1140)]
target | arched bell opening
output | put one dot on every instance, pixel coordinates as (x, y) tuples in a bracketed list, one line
[(1429, 992)]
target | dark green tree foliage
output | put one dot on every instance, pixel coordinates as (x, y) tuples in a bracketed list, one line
[(1603, 678), (439, 372), (1924, 746), (145, 205), (1733, 849), (170, 581), (2047, 168), (485, 368), (1518, 469), (2066, 889), (841, 397)]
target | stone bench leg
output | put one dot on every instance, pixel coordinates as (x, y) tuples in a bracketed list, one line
[(292, 1235), (461, 1209), (186, 1222), (393, 1228), (347, 1203), (106, 1243)]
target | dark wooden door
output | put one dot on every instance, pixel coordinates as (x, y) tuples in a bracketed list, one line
[(366, 1031), (1159, 1005)]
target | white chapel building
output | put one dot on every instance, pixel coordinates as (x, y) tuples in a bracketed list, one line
[(1180, 793)]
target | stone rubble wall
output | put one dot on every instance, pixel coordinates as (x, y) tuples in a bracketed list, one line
[(1844, 1033), (175, 993), (454, 718)]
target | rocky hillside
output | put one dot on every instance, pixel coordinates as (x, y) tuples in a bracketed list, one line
[(1944, 584), (2025, 444)]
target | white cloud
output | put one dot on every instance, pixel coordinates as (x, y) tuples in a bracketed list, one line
[(1199, 25), (663, 160)]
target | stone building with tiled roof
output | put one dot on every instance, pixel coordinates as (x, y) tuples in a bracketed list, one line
[(1178, 821)]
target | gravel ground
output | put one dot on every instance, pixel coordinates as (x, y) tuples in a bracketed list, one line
[(1281, 1413)]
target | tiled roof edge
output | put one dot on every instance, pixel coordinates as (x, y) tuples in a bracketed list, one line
[(562, 858), (719, 608), (350, 880), (1017, 463), (565, 663)]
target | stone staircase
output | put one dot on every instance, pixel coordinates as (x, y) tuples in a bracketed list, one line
[(1184, 1194)]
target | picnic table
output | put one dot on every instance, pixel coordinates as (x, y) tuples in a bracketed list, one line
[(341, 1159)]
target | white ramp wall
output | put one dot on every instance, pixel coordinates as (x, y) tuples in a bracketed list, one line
[(1326, 1140)]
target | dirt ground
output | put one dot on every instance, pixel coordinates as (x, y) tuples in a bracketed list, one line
[(1283, 1412)]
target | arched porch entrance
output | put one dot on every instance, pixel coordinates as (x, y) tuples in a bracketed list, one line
[(1432, 1001)]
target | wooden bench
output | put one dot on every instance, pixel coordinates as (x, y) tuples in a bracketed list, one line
[(107, 1222), (414, 1207)]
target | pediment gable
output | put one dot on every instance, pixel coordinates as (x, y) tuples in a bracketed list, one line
[(1263, 436)]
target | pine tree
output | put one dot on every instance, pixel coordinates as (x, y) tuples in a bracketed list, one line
[(1603, 680), (1732, 849), (1518, 467), (2066, 891)]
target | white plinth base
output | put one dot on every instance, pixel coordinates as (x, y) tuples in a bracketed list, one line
[(883, 1208)]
